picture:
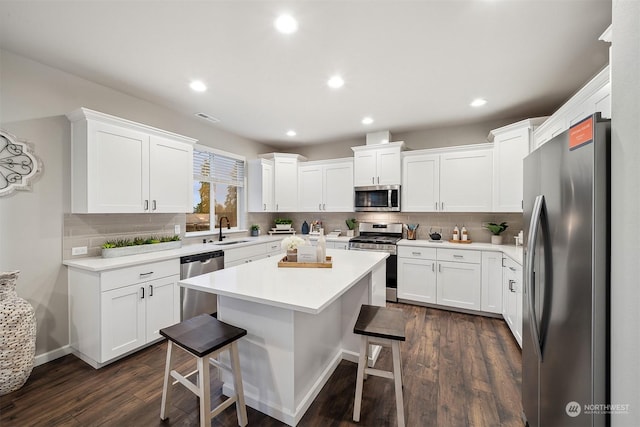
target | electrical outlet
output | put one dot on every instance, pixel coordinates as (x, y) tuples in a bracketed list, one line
[(80, 250), (176, 229)]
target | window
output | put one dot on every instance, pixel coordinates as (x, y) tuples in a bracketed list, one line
[(218, 190)]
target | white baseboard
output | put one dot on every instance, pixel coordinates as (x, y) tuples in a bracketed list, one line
[(43, 358)]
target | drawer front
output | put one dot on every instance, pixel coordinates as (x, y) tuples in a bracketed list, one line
[(416, 252), (457, 255), (510, 264), (274, 247), (235, 254), (113, 279)]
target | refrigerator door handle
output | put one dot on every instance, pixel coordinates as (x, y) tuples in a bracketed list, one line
[(536, 218)]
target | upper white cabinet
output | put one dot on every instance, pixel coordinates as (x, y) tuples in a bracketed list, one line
[(594, 97), (377, 164), (420, 183), (448, 180), (466, 181), (260, 183), (326, 186), (119, 166), (511, 145)]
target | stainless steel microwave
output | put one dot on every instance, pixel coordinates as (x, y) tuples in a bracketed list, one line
[(377, 198)]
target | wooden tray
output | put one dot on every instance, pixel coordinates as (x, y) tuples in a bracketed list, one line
[(327, 264), (459, 241)]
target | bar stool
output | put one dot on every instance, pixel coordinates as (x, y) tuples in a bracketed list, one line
[(204, 337), (384, 326)]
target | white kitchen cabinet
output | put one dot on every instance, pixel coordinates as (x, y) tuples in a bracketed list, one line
[(377, 164), (446, 277), (245, 254), (512, 297), (491, 289), (417, 275), (595, 96), (285, 183), (115, 312), (260, 186), (466, 180), (420, 183), (326, 186), (511, 145), (119, 166), (338, 245)]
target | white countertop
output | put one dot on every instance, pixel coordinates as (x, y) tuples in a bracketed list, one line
[(512, 251), (102, 264), (302, 289)]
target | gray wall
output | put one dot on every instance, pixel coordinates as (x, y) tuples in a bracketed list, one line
[(34, 99), (625, 210), (475, 133)]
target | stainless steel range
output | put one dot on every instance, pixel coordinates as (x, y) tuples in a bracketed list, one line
[(381, 237)]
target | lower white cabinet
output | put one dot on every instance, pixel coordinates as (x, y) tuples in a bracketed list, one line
[(114, 312), (512, 297), (245, 254), (447, 277), (459, 285), (491, 300), (417, 275), (337, 245)]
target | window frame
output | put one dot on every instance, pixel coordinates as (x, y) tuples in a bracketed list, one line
[(241, 195)]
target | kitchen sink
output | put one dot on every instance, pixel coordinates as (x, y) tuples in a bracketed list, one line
[(234, 242)]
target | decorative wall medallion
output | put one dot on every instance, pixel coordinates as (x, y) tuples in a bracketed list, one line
[(18, 164)]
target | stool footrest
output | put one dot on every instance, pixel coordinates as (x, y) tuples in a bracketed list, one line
[(378, 373), (185, 382)]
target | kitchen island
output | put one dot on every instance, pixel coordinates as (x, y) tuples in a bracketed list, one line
[(299, 324)]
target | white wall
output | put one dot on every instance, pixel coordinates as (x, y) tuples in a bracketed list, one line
[(625, 210), (34, 99)]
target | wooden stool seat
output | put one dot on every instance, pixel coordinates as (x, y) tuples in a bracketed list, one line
[(384, 326), (204, 337)]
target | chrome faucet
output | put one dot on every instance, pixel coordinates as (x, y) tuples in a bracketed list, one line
[(220, 227)]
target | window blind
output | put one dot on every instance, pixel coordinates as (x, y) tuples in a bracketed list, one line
[(217, 168)]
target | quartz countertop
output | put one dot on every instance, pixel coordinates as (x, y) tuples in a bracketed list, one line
[(512, 251), (308, 290), (100, 264)]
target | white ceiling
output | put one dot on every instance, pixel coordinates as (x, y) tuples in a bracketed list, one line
[(408, 64)]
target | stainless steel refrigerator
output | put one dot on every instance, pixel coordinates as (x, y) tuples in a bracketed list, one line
[(565, 355)]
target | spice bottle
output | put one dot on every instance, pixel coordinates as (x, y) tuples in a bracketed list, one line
[(456, 233)]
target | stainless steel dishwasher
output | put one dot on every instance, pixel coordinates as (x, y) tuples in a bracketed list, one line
[(192, 302)]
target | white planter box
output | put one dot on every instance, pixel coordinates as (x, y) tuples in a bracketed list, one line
[(140, 249), (283, 226)]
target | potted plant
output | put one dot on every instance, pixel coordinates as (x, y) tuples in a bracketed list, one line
[(496, 229), (255, 229), (351, 225), (291, 244), (139, 245), (283, 223)]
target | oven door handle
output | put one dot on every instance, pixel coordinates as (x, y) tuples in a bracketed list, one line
[(372, 250)]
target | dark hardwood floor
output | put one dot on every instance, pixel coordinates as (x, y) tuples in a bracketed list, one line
[(459, 370)]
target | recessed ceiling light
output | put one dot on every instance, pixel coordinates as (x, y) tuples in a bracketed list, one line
[(367, 121), (286, 24), (335, 82), (291, 133), (478, 102), (198, 86)]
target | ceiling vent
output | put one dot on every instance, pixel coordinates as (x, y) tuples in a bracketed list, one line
[(382, 137), (207, 117)]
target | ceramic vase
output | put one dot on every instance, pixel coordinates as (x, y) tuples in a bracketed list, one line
[(496, 239), (17, 335)]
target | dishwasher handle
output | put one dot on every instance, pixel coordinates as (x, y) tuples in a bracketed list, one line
[(202, 257)]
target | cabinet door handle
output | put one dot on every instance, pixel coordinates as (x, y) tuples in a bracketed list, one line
[(264, 206), (146, 274), (416, 253), (503, 259), (512, 269), (142, 289), (439, 268), (373, 179), (146, 205), (277, 207), (154, 205), (511, 283), (433, 267), (150, 290), (458, 256), (436, 205), (324, 207), (442, 205), (319, 206), (378, 180)]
